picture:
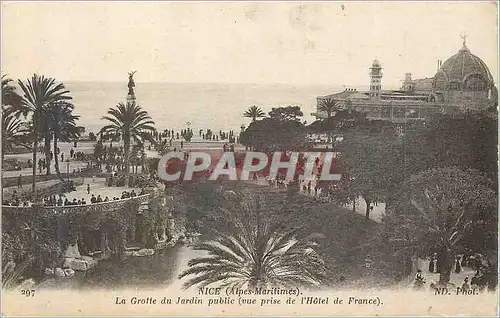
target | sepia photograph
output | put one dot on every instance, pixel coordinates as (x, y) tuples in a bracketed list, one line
[(205, 158)]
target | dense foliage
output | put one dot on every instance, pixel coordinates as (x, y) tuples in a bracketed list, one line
[(255, 252), (131, 123), (281, 131), (436, 210)]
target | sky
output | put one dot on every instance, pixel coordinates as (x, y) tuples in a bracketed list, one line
[(320, 43)]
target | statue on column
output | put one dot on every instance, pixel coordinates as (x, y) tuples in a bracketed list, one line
[(131, 83)]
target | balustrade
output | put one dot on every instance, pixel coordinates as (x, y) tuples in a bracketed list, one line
[(83, 208)]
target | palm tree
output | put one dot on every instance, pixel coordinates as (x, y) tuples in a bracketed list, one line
[(260, 255), (64, 128), (14, 130), (329, 106), (46, 134), (40, 93), (254, 112), (162, 147), (130, 122), (13, 127)]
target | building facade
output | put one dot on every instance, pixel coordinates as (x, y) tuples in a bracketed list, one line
[(462, 82)]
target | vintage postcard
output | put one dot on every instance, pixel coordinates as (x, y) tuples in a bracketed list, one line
[(249, 158)]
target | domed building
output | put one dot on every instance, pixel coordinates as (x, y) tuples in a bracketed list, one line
[(464, 79), (462, 82)]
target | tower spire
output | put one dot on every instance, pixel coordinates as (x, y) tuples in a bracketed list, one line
[(375, 79)]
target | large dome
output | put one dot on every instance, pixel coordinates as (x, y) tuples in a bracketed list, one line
[(465, 72)]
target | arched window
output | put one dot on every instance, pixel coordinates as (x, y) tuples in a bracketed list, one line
[(475, 83)]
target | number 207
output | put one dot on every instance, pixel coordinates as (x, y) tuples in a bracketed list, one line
[(28, 292)]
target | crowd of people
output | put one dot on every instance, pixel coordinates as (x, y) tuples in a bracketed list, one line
[(51, 201), (485, 274), (187, 134), (62, 200), (16, 201), (45, 161)]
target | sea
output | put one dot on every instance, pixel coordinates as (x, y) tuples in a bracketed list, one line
[(194, 105)]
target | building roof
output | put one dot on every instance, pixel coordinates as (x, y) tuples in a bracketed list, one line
[(423, 84), (340, 95), (359, 95), (460, 66)]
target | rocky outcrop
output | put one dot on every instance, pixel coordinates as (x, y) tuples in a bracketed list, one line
[(141, 252), (69, 272), (81, 263), (59, 272)]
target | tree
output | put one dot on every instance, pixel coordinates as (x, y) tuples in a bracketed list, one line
[(281, 131), (371, 161), (162, 147), (130, 122), (468, 140), (440, 208), (340, 123), (329, 106), (348, 119), (289, 113), (256, 254), (254, 112), (39, 94), (14, 131), (64, 128), (13, 128), (270, 134)]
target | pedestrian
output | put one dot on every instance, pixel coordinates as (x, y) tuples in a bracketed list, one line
[(419, 280), (88, 188), (432, 263), (19, 182), (465, 285), (458, 268)]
